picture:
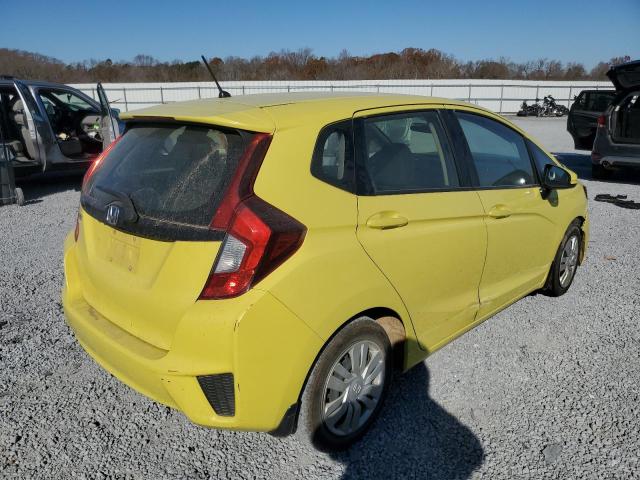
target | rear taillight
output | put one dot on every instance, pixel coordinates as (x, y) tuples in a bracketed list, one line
[(259, 237), (601, 121), (98, 162)]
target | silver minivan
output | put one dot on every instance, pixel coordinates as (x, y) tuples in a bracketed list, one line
[(617, 142), (48, 126)]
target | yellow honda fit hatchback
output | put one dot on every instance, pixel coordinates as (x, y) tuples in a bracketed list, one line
[(266, 262)]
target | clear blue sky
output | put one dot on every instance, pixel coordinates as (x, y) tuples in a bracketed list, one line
[(586, 31)]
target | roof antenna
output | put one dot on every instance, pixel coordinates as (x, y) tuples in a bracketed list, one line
[(222, 93)]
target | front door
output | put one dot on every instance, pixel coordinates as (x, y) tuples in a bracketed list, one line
[(110, 129), (520, 229), (417, 223), (38, 131)]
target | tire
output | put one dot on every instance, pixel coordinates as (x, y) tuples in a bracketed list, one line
[(324, 411), (598, 171), (19, 197), (567, 257)]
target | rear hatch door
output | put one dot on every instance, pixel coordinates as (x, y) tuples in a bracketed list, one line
[(625, 76), (624, 116), (145, 248)]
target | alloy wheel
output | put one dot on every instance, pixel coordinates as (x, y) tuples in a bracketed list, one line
[(569, 260), (353, 388)]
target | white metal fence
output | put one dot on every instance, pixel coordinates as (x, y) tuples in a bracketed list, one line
[(502, 96)]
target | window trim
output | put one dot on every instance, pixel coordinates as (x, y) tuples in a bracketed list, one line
[(364, 186), (350, 162), (475, 180)]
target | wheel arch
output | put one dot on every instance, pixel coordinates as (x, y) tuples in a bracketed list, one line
[(585, 235), (395, 328)]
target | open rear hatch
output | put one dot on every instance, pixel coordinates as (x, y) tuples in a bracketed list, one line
[(625, 117), (146, 247)]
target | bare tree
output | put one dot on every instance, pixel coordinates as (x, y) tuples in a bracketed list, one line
[(301, 64)]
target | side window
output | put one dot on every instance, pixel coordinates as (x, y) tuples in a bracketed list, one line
[(598, 101), (333, 156), (540, 158), (581, 101), (499, 154), (407, 152), (71, 100)]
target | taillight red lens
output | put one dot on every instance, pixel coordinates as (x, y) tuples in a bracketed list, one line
[(601, 121), (241, 185), (98, 162), (259, 236)]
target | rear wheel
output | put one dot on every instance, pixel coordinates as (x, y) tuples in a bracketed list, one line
[(347, 386), (598, 171), (565, 263)]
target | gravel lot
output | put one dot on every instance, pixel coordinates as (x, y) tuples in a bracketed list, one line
[(549, 388)]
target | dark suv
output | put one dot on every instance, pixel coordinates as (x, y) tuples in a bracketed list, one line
[(583, 115), (617, 142)]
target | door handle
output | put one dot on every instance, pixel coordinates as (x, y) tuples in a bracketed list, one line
[(386, 220), (499, 211)]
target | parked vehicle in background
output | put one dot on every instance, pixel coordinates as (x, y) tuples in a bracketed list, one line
[(548, 108), (266, 262), (617, 142), (49, 125), (527, 110), (582, 120), (551, 108)]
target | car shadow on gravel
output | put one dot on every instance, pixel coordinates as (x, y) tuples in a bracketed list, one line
[(37, 187), (581, 164), (414, 438)]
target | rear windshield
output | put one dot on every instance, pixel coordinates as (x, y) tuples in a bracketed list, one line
[(166, 180)]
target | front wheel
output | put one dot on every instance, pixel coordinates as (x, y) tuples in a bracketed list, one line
[(565, 263), (347, 386)]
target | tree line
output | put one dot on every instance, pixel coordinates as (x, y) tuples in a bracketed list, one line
[(302, 64)]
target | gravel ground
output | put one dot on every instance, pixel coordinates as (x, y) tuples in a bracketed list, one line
[(549, 388)]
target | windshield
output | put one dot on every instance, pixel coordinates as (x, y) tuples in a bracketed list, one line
[(173, 176)]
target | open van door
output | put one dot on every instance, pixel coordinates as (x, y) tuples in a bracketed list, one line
[(110, 130), (625, 76), (34, 127)]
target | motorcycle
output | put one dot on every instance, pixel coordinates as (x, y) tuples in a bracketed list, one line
[(552, 108), (549, 107), (529, 110)]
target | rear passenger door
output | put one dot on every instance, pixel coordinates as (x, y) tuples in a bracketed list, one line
[(416, 221), (521, 225)]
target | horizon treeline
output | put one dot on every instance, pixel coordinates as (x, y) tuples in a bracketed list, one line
[(302, 64)]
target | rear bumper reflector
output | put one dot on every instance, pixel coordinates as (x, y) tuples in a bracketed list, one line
[(219, 392)]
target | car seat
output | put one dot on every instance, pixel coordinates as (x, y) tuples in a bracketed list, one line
[(18, 116)]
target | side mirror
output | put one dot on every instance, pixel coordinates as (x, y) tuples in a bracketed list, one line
[(555, 178)]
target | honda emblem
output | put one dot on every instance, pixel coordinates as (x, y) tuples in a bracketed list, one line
[(113, 213)]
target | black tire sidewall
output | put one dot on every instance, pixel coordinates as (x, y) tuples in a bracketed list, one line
[(554, 288), (310, 424)]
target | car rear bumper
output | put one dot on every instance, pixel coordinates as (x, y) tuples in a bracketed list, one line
[(265, 348), (617, 160)]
